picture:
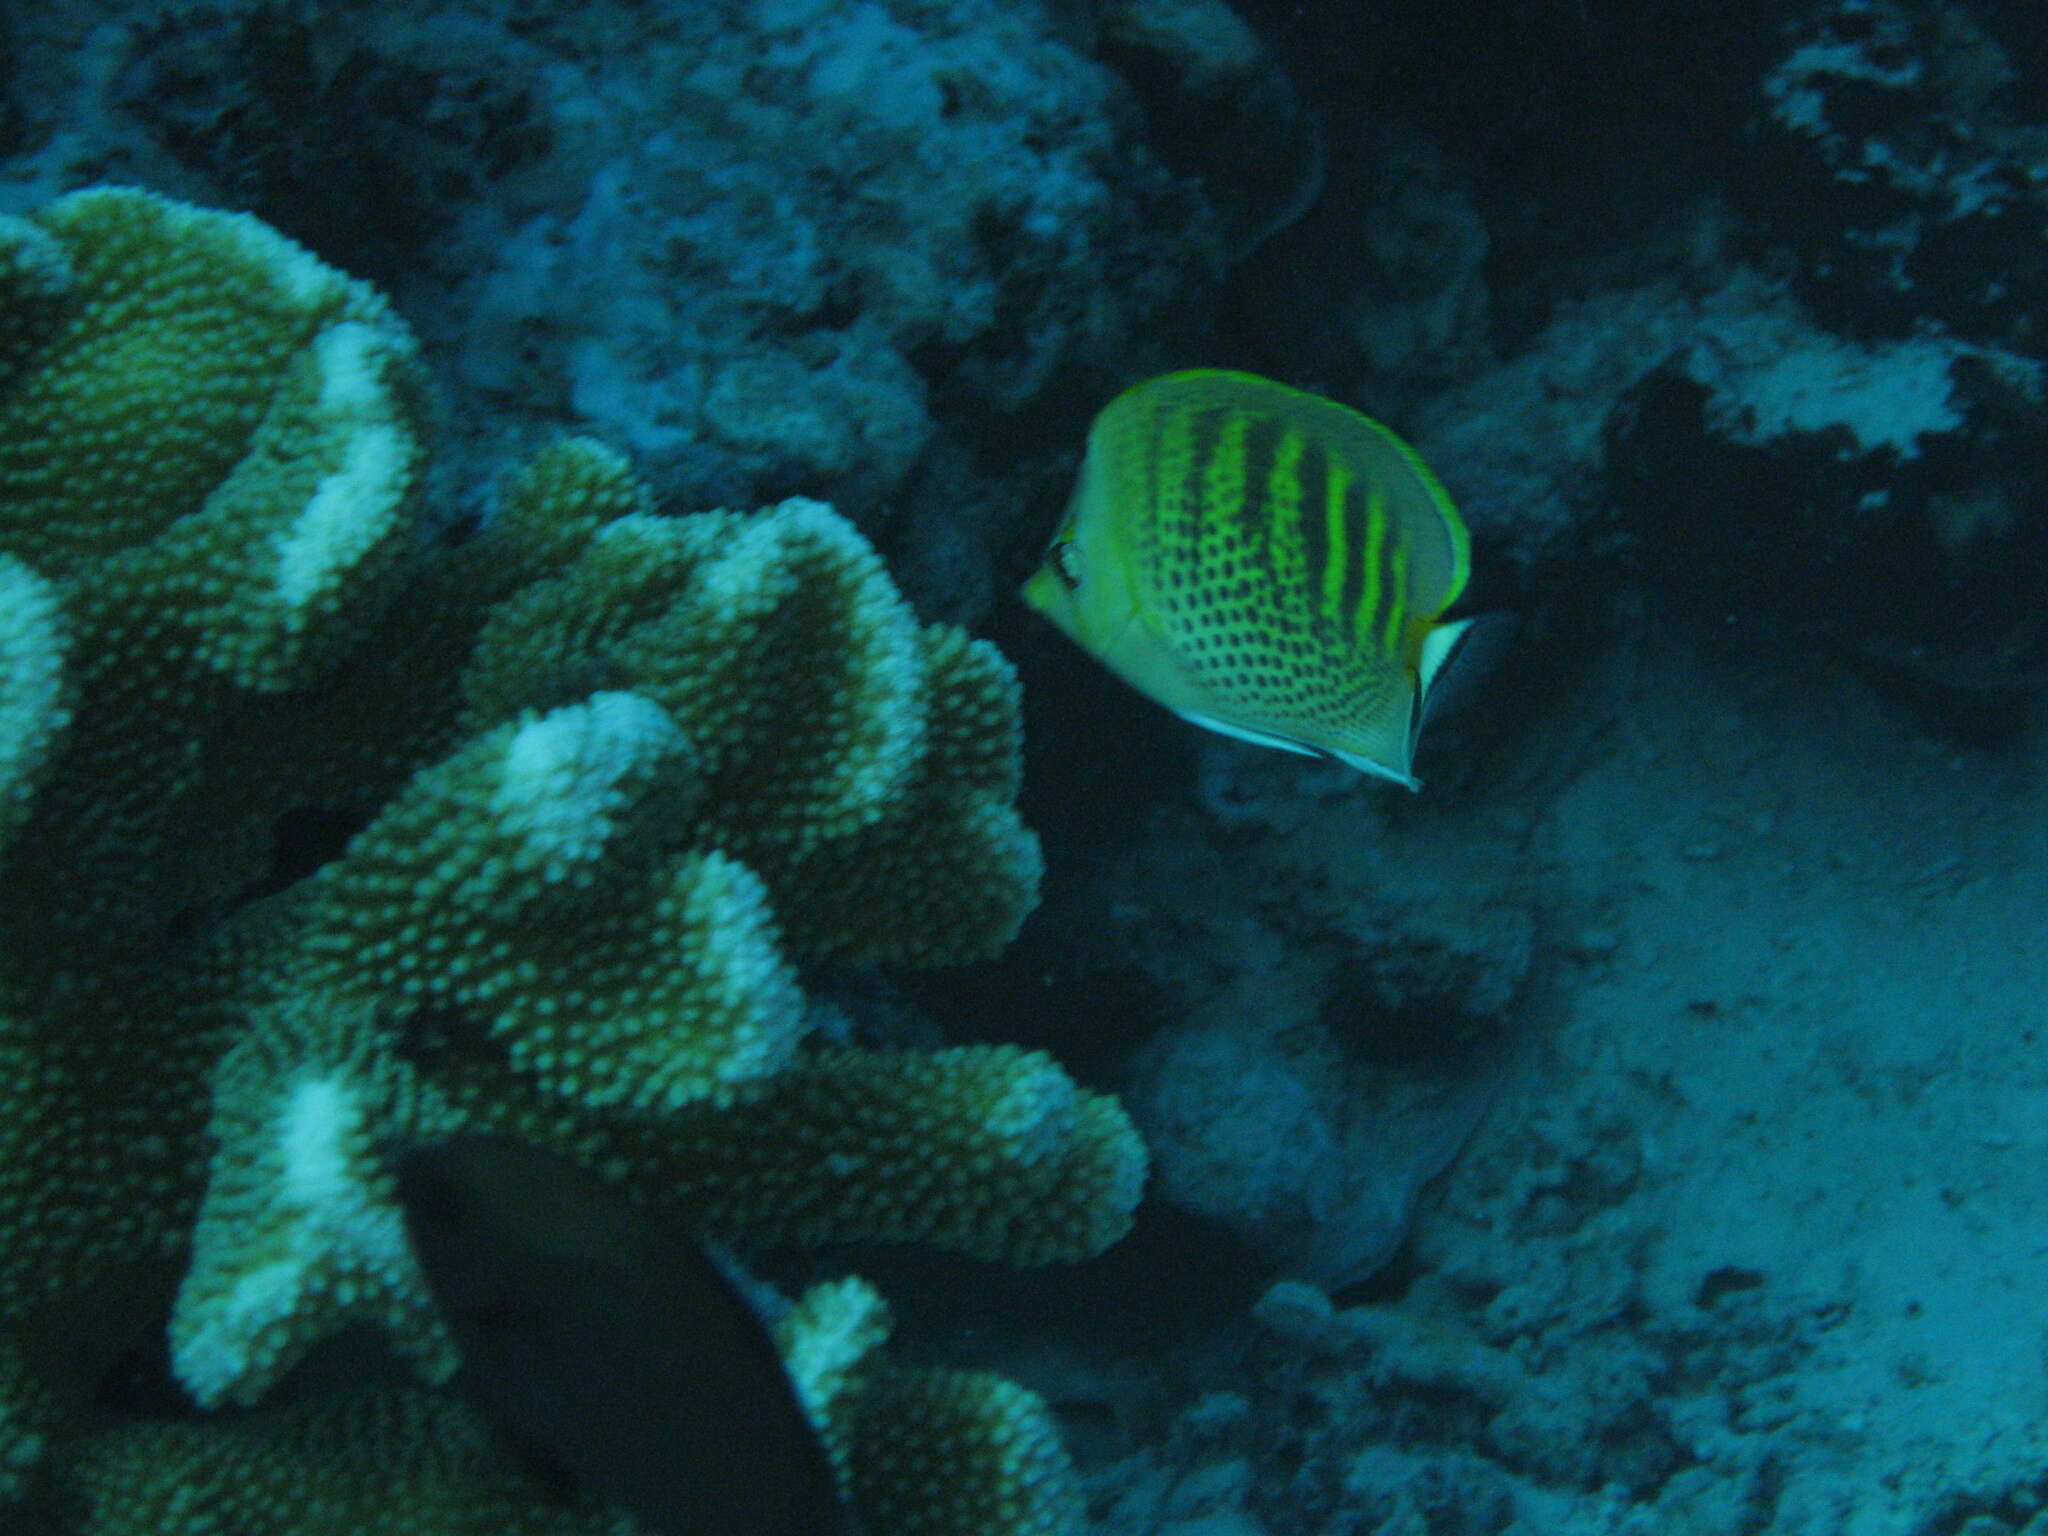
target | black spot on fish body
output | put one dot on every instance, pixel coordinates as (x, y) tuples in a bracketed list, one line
[(616, 1357)]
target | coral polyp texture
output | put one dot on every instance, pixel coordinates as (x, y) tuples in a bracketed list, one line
[(614, 779)]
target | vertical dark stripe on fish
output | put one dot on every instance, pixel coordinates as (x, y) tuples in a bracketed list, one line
[(1226, 495), (1196, 446), (1360, 561), (1312, 476), (1171, 486), (1261, 454), (1389, 637)]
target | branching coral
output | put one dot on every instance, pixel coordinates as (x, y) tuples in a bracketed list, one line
[(924, 1453), (377, 1462), (533, 880), (208, 448), (297, 1234), (618, 777)]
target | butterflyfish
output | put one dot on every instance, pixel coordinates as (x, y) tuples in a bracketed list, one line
[(610, 1352), (1264, 562)]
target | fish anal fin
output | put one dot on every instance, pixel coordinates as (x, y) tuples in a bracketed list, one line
[(1250, 733), (1370, 766)]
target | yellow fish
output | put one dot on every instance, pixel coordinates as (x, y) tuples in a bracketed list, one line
[(1263, 562)]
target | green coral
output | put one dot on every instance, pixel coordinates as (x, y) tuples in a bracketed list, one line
[(208, 449), (924, 1452), (921, 1453), (938, 1452), (533, 881), (987, 1150), (871, 797), (616, 779), (364, 1462), (297, 1234)]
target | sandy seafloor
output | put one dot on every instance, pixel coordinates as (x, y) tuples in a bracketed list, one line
[(1820, 1022), (1768, 1175), (1825, 1012)]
